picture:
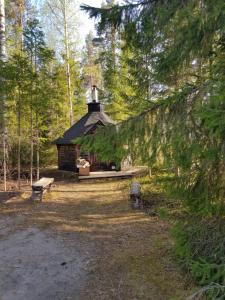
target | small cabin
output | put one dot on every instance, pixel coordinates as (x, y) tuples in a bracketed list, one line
[(69, 152)]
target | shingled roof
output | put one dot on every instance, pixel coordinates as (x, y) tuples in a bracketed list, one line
[(95, 117)]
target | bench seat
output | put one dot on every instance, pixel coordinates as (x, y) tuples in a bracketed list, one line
[(39, 187)]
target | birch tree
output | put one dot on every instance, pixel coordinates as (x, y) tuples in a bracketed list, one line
[(3, 98), (64, 20), (20, 7), (2, 31)]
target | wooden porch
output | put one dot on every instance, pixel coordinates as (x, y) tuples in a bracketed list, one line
[(138, 171)]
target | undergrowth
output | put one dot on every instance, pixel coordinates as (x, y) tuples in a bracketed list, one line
[(199, 240), (200, 248)]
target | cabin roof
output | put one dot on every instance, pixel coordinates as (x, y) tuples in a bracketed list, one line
[(84, 126)]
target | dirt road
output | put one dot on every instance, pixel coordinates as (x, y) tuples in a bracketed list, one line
[(84, 242)]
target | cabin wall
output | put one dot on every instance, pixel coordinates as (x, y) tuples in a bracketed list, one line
[(67, 157), (96, 165)]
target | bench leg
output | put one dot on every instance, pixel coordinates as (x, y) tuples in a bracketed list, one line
[(41, 195), (33, 196), (36, 195)]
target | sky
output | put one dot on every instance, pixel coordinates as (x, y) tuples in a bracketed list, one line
[(87, 24)]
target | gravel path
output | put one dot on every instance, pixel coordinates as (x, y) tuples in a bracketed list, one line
[(83, 242), (35, 265)]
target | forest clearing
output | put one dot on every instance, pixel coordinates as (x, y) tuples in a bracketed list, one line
[(85, 242), (96, 89)]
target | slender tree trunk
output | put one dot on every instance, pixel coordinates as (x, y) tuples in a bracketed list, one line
[(21, 14), (69, 92), (3, 97), (150, 172), (113, 46), (36, 121), (19, 141), (31, 132), (2, 31), (37, 148), (177, 171), (31, 145), (68, 68), (20, 23)]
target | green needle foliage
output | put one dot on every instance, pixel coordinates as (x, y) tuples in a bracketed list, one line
[(185, 127), (178, 55), (170, 136)]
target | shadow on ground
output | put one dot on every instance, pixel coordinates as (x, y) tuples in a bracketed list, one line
[(128, 252)]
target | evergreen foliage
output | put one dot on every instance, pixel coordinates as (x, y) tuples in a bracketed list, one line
[(177, 63), (160, 68), (35, 92), (200, 249)]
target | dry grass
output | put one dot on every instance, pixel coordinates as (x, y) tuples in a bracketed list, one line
[(132, 258)]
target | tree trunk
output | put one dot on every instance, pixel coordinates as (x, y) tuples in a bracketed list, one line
[(19, 141), (2, 31), (36, 121), (150, 172), (3, 97), (31, 130), (31, 145), (177, 171), (37, 148), (20, 24), (113, 46), (68, 73)]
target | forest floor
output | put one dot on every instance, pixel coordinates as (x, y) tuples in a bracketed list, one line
[(85, 242)]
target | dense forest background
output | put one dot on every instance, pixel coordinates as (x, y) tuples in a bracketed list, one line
[(159, 66), (46, 78)]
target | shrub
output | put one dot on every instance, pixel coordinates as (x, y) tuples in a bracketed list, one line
[(200, 247)]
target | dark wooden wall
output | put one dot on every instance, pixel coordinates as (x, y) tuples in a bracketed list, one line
[(67, 156)]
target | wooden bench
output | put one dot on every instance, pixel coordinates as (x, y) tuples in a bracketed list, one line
[(135, 195), (40, 187)]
